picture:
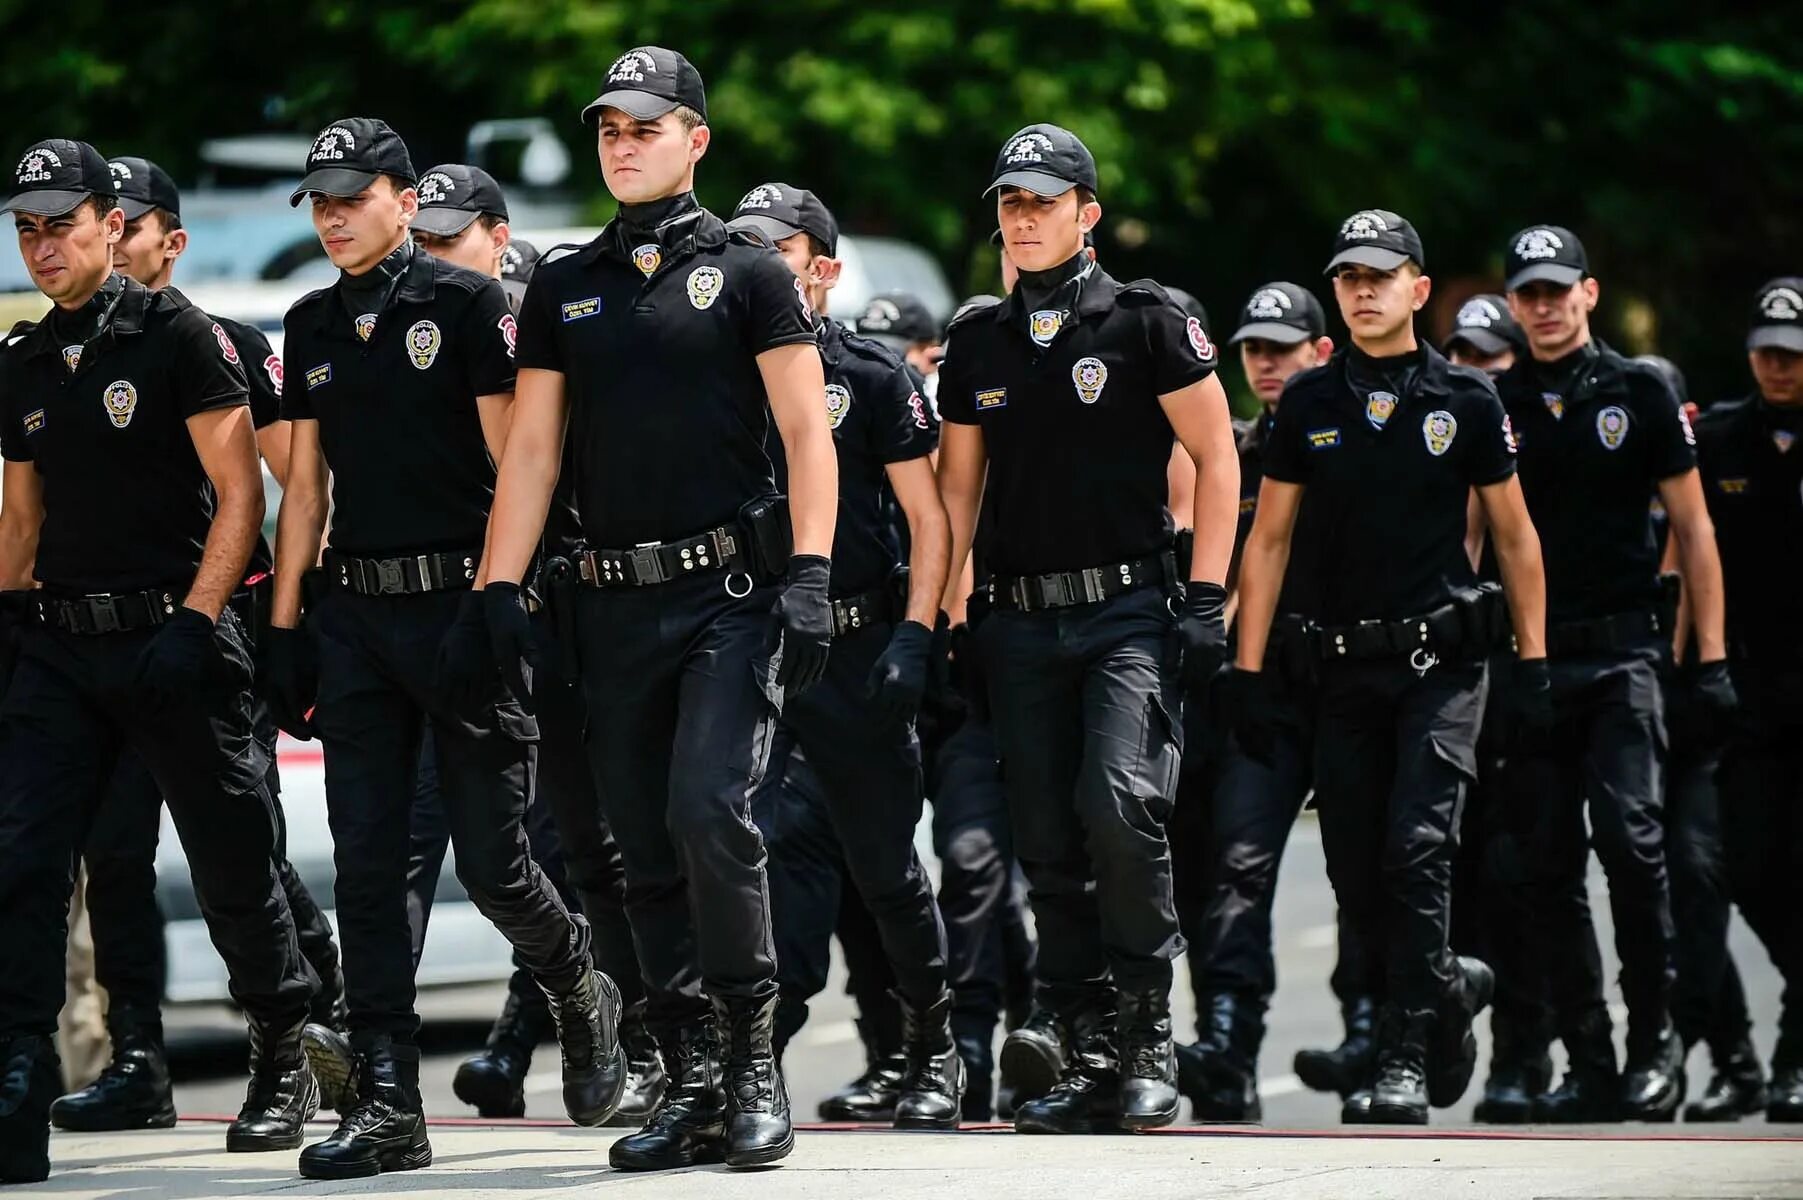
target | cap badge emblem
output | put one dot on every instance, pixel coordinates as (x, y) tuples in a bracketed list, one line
[(1365, 224), (1612, 426), (631, 67), (1538, 243), (1438, 429), (35, 166), (1477, 314), (1044, 325), (120, 172), (1781, 304), (838, 403), (332, 145), (1027, 148), (704, 286), (1267, 304), (761, 196), (121, 400), (1090, 375), (879, 317), (436, 187), (423, 341)]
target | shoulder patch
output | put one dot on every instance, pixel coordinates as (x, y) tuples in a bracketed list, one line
[(1145, 292), (875, 351)]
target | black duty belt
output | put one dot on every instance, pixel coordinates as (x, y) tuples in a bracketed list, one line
[(121, 612), (1612, 634), (405, 576), (1471, 625), (855, 612), (660, 562), (1092, 585)]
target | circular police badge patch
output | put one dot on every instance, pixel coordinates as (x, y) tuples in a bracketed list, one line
[(366, 325), (1378, 407), (1438, 429), (229, 351), (646, 258), (1090, 375), (1044, 325), (423, 341), (838, 403), (704, 286), (121, 400), (72, 357), (1612, 426), (1198, 340), (272, 366)]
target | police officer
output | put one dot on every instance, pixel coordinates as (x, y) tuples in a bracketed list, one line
[(1600, 437), (1068, 395), (133, 1091), (669, 344), (462, 220), (901, 322), (1234, 812), (1751, 456), (1484, 335), (403, 380), (128, 643), (1387, 440), (856, 726)]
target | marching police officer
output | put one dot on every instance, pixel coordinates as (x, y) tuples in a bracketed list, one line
[(1484, 335), (1067, 395), (133, 1091), (1600, 436), (901, 322), (402, 384), (128, 644), (1751, 456), (669, 343), (1387, 440), (856, 726)]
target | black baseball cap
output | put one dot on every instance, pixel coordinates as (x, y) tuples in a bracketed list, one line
[(1376, 237), (141, 185), (1549, 252), (452, 195), (898, 320), (348, 155), (1047, 160), (648, 82), (1778, 315), (518, 258), (775, 211), (55, 175), (1283, 313), (1485, 325)]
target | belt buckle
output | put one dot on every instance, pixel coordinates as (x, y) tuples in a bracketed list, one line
[(1054, 589), (646, 566), (103, 611), (389, 580)]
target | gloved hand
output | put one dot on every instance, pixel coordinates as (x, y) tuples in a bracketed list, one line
[(1531, 699), (180, 662), (1204, 634), (510, 638), (899, 678), (804, 622), (466, 665), (289, 679), (1246, 700), (1716, 699)]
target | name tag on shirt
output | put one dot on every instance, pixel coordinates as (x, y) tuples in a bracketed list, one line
[(1323, 439), (575, 310), (993, 398)]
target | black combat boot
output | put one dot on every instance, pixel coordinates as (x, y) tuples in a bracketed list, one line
[(870, 1098), (758, 1130), (1347, 1066), (975, 1036), (1737, 1089), (1032, 1060), (282, 1096), (1400, 1094), (587, 1018), (1784, 1096), (1590, 1093), (132, 1091), (932, 1093), (1653, 1082), (1220, 1073), (385, 1129), (328, 1007), (1355, 1109), (30, 1077), (645, 1077), (1149, 1093), (493, 1081), (334, 1065), (1452, 1047), (1520, 1072), (688, 1126), (1087, 1096)]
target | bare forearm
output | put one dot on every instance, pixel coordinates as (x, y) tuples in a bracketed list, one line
[(18, 555), (929, 564), (1524, 583), (1702, 569), (300, 526), (1262, 564), (813, 490), (516, 523), (1216, 519), (230, 540)]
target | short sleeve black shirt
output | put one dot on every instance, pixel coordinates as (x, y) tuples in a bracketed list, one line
[(1592, 456), (1300, 576), (1078, 443), (1388, 477), (127, 505), (1750, 454), (397, 413), (263, 371), (668, 413)]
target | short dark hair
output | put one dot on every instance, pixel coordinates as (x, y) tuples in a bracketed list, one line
[(102, 202), (397, 183), (489, 220), (1084, 196), (817, 248), (689, 117), (171, 221)]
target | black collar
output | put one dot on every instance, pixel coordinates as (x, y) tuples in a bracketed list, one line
[(706, 232), (1096, 298), (417, 286), (127, 318), (1432, 377)]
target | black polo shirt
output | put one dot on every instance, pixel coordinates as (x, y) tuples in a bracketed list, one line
[(1750, 454), (1388, 476), (127, 506), (878, 417), (668, 413), (1592, 453), (1078, 443), (263, 370), (397, 413), (1300, 587)]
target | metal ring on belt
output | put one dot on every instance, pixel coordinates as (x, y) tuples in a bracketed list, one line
[(661, 562), (406, 575)]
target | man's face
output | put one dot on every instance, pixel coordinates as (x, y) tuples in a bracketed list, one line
[(1379, 304), (643, 161), (1269, 365), (924, 357), (1040, 232), (1464, 354), (147, 251), (475, 248), (1555, 318), (817, 272), (359, 231), (1779, 374), (68, 256)]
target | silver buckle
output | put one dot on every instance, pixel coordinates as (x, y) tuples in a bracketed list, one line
[(388, 576), (646, 566)]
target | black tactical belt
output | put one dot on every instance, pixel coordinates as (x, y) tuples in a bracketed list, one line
[(1473, 624), (855, 612), (1092, 585), (408, 576), (119, 613), (1612, 634), (661, 562)]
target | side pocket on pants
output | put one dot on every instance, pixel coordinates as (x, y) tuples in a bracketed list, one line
[(514, 722), (1160, 757)]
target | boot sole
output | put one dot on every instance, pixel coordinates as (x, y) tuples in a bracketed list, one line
[(1511, 1114), (853, 1116), (1156, 1120), (941, 1123), (1384, 1114), (78, 1124), (386, 1160), (331, 1069), (474, 1090), (1028, 1069), (702, 1156), (1079, 1129), (762, 1155)]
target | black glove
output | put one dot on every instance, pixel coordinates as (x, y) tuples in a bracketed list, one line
[(466, 665), (1715, 697), (804, 622), (1245, 698), (1204, 634), (510, 638), (289, 679), (899, 677), (181, 662), (1531, 699)]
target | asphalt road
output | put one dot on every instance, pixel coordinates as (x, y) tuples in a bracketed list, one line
[(208, 1048)]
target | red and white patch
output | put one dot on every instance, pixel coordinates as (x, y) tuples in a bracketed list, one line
[(801, 295), (510, 331), (1198, 341), (918, 407), (1690, 435), (272, 366), (225, 343), (1509, 435)]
